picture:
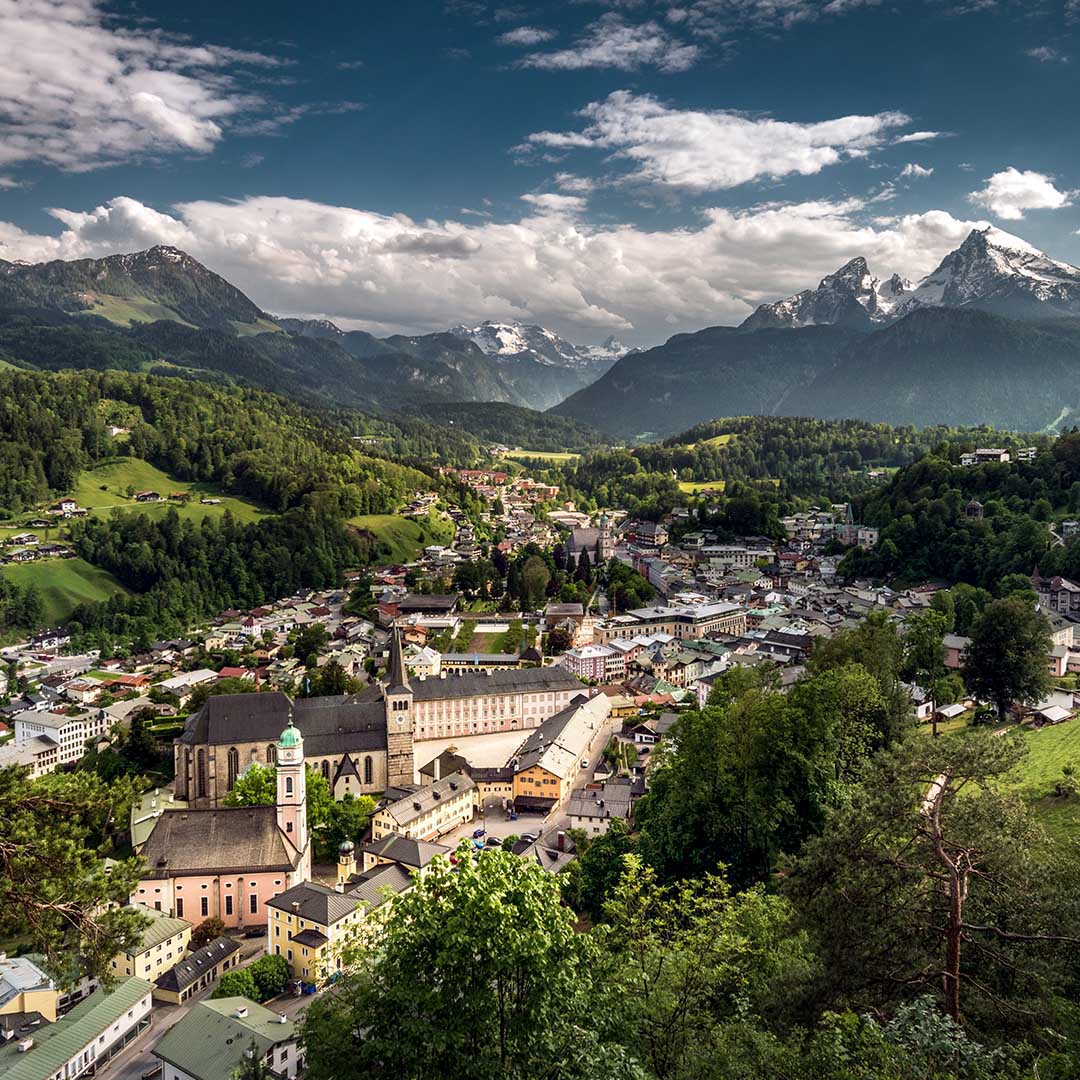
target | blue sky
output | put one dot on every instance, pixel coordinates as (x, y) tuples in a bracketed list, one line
[(639, 167)]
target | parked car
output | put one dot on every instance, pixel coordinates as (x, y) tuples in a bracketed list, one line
[(530, 836), (477, 833), (494, 841)]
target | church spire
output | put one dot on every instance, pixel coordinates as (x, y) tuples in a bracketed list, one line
[(397, 676)]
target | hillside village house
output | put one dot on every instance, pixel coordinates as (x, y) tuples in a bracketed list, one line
[(70, 733), (197, 971), (83, 1040), (40, 755), (430, 811), (310, 925), (162, 944), (229, 862), (594, 807), (211, 1041), (599, 662), (689, 622), (552, 757), (25, 987)]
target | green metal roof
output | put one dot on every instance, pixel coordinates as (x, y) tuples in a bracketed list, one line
[(290, 737), (58, 1043), (209, 1042)]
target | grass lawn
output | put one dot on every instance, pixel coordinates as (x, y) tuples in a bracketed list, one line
[(543, 455), (1034, 778), (404, 537), (692, 487), (64, 583), (106, 487)]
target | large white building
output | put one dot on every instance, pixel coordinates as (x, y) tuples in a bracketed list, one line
[(598, 662), (70, 733), (690, 622)]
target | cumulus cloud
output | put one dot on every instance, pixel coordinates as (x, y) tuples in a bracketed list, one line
[(702, 151), (525, 35), (612, 42), (919, 136), (390, 273), (1047, 54), (80, 90), (914, 171), (1011, 192), (719, 18)]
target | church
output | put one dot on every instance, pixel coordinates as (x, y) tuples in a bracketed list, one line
[(599, 542), (362, 743), (229, 862)]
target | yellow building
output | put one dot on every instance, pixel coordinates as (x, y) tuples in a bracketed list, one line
[(163, 942), (310, 925), (26, 988)]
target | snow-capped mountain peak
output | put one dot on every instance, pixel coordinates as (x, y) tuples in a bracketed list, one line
[(514, 340), (991, 269)]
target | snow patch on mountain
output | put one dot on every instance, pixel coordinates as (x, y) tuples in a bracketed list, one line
[(514, 340)]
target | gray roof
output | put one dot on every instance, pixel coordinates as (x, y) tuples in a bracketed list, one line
[(238, 839), (316, 903), (330, 725), (195, 965), (409, 808), (401, 849), (506, 681), (373, 885)]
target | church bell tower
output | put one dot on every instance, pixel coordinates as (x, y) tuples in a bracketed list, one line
[(292, 792), (398, 696)]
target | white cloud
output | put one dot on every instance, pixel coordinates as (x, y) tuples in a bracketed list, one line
[(526, 35), (1009, 193), (914, 171), (8, 183), (578, 185), (390, 273), (709, 151), (611, 42), (719, 18), (1047, 54), (79, 90), (920, 136)]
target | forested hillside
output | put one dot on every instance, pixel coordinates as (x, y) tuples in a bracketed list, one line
[(511, 425)]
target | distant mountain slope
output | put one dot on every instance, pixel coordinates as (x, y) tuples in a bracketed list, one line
[(161, 283), (720, 371), (162, 309)]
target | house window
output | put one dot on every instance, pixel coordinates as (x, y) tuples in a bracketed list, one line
[(234, 765), (368, 769), (204, 905)]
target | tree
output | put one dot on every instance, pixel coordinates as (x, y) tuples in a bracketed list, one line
[(255, 786), (56, 886), (590, 880), (271, 975), (347, 820), (924, 655), (694, 956), (252, 1065), (207, 931), (583, 573), (237, 983), (140, 746), (535, 577), (1006, 661), (558, 641), (479, 973), (938, 878)]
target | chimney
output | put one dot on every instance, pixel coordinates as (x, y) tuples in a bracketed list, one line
[(240, 1013), (296, 907), (560, 840), (437, 764)]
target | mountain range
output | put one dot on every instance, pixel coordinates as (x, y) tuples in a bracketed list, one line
[(162, 309), (991, 336)]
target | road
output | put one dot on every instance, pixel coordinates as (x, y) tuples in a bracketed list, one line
[(138, 1057)]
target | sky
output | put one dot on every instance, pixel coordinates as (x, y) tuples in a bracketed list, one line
[(630, 167)]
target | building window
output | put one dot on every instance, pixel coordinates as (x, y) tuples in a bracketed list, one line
[(234, 765), (204, 904), (271, 754), (326, 770), (368, 769), (179, 908), (253, 903), (228, 904), (288, 785)]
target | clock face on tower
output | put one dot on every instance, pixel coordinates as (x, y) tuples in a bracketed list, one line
[(400, 720)]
